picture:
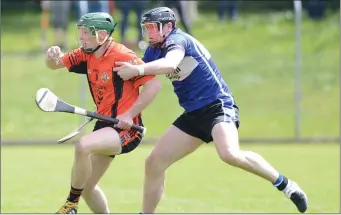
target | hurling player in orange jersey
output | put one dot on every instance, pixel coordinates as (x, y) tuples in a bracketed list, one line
[(113, 97)]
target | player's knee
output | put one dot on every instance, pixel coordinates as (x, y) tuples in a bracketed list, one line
[(150, 162), (83, 146), (232, 157), (153, 164)]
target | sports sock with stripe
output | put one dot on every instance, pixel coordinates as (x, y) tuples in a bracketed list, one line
[(281, 182), (74, 195)]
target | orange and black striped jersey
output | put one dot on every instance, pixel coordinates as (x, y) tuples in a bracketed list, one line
[(112, 95)]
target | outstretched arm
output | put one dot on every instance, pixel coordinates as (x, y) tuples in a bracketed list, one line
[(164, 65), (158, 67), (74, 61)]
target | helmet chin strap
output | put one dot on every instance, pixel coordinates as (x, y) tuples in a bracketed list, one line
[(91, 51), (158, 44)]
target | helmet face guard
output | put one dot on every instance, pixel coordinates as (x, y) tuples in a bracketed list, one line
[(152, 31), (88, 39), (153, 21)]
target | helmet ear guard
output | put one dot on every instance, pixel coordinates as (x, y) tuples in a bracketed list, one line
[(112, 31)]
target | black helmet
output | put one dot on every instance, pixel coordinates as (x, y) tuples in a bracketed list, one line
[(159, 14)]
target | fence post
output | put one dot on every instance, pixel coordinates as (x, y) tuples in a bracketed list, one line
[(82, 95), (298, 96), (340, 86)]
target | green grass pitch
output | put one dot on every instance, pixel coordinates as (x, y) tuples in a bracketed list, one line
[(35, 179)]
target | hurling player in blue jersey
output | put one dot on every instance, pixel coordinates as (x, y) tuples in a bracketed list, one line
[(211, 112)]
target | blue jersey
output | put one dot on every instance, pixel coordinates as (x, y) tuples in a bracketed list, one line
[(197, 81)]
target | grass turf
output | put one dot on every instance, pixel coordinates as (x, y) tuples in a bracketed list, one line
[(200, 183)]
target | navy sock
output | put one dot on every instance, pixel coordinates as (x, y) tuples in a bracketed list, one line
[(74, 195), (281, 182)]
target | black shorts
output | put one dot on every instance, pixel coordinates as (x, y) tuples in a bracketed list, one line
[(199, 123), (130, 139)]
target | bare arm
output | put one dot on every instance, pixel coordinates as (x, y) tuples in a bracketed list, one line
[(164, 65), (54, 64), (147, 95)]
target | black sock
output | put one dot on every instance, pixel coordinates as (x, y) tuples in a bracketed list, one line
[(281, 182), (74, 195)]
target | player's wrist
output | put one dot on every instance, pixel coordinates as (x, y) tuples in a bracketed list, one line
[(140, 70), (129, 113)]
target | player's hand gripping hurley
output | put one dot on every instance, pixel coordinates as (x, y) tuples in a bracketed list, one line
[(49, 102)]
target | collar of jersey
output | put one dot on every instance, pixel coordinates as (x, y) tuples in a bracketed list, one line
[(172, 32), (112, 43)]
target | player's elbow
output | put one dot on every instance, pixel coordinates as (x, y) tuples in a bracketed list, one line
[(173, 66), (158, 85), (155, 84), (170, 66), (152, 87)]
